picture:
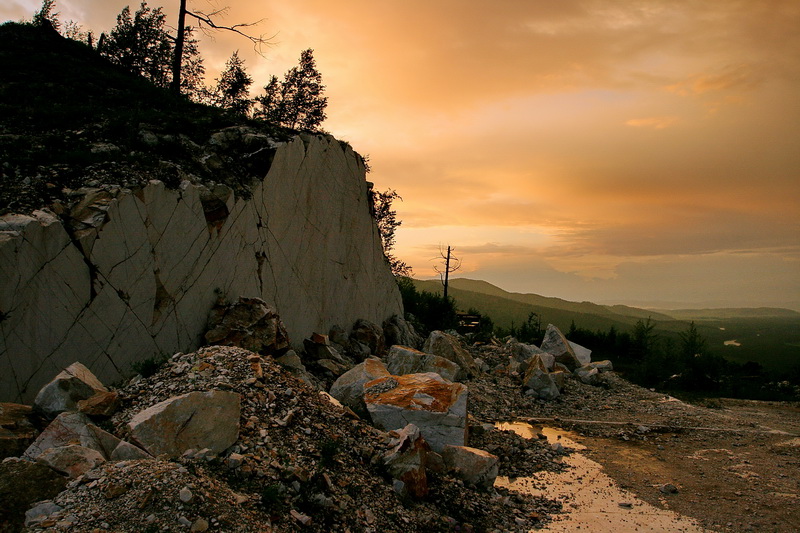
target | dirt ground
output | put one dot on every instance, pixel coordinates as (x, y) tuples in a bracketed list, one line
[(735, 463), (737, 471)]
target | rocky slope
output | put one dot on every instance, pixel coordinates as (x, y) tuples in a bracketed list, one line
[(300, 461)]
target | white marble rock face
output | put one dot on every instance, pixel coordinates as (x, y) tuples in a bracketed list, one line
[(142, 281)]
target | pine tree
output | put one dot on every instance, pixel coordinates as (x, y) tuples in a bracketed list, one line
[(297, 101), (233, 86)]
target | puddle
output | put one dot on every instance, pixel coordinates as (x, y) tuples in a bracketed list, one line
[(592, 500)]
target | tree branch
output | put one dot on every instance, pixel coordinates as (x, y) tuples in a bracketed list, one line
[(258, 42)]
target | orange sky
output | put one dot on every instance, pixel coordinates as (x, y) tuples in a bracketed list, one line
[(635, 151)]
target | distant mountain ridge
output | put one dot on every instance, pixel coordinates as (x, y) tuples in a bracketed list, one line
[(504, 307)]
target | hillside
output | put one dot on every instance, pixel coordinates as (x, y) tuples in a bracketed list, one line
[(724, 313), (768, 336), (504, 307), (69, 118)]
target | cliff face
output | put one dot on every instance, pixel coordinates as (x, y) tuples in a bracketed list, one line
[(134, 273)]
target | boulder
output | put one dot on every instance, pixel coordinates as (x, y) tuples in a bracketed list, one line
[(23, 483), (76, 428), (406, 461), (101, 405), (349, 387), (522, 352), (16, 429), (318, 346), (196, 420), (404, 360), (338, 339), (555, 343), (475, 467), (584, 355), (73, 384), (366, 339), (547, 359), (560, 378), (561, 367), (125, 451), (430, 402), (396, 330), (447, 346), (250, 324), (42, 511), (291, 362), (587, 374), (68, 428), (334, 368), (538, 380), (72, 460), (602, 366)]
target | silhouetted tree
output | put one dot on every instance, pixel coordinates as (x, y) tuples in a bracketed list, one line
[(210, 19), (692, 343), (297, 101), (387, 222), (643, 338), (233, 86), (46, 17), (140, 44), (451, 264)]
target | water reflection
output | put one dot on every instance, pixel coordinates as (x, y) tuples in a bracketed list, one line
[(592, 500)]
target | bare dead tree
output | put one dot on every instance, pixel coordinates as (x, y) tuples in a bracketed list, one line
[(208, 22), (451, 264)]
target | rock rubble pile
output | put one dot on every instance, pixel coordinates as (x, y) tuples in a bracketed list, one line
[(228, 439)]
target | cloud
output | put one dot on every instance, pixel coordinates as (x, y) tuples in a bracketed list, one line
[(658, 123), (557, 140)]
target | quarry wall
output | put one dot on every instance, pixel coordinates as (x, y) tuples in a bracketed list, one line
[(139, 275)]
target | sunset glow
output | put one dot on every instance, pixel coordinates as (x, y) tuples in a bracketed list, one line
[(636, 151)]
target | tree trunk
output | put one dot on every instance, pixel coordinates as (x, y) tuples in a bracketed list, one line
[(446, 273), (175, 86)]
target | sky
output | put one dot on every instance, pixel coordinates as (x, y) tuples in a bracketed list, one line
[(638, 151)]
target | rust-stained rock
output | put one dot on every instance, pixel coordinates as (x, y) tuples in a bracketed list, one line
[(250, 324), (349, 387), (101, 404), (74, 428), (73, 384), (436, 406), (447, 346), (68, 428), (406, 461), (404, 360), (194, 420), (319, 347), (72, 460), (602, 366), (16, 429)]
